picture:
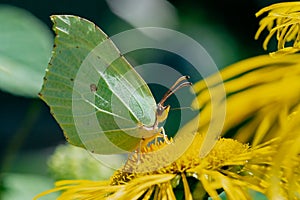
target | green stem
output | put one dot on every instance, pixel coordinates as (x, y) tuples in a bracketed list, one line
[(21, 134)]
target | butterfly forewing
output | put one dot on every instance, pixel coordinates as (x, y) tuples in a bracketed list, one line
[(95, 95)]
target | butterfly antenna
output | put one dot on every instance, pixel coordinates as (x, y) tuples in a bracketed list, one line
[(177, 87), (182, 78), (182, 108)]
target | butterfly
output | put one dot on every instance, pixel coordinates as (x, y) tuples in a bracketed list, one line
[(100, 102)]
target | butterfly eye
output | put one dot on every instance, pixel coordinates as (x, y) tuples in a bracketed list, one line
[(160, 109)]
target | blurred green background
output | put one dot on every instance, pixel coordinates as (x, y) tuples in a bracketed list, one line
[(28, 132)]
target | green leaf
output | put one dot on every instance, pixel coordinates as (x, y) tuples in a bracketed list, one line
[(24, 51), (95, 95)]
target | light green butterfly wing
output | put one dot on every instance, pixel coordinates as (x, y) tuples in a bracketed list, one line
[(94, 94)]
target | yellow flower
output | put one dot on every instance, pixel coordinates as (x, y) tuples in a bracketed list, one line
[(231, 166), (262, 107), (284, 175), (259, 91), (283, 19)]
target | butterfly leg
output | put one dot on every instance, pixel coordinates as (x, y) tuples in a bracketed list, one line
[(136, 154), (139, 153), (162, 130)]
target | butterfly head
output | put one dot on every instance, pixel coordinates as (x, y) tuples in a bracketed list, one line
[(162, 112)]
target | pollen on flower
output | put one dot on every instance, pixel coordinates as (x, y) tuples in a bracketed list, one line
[(225, 151), (140, 162)]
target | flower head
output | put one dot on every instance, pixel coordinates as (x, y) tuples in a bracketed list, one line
[(231, 166)]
